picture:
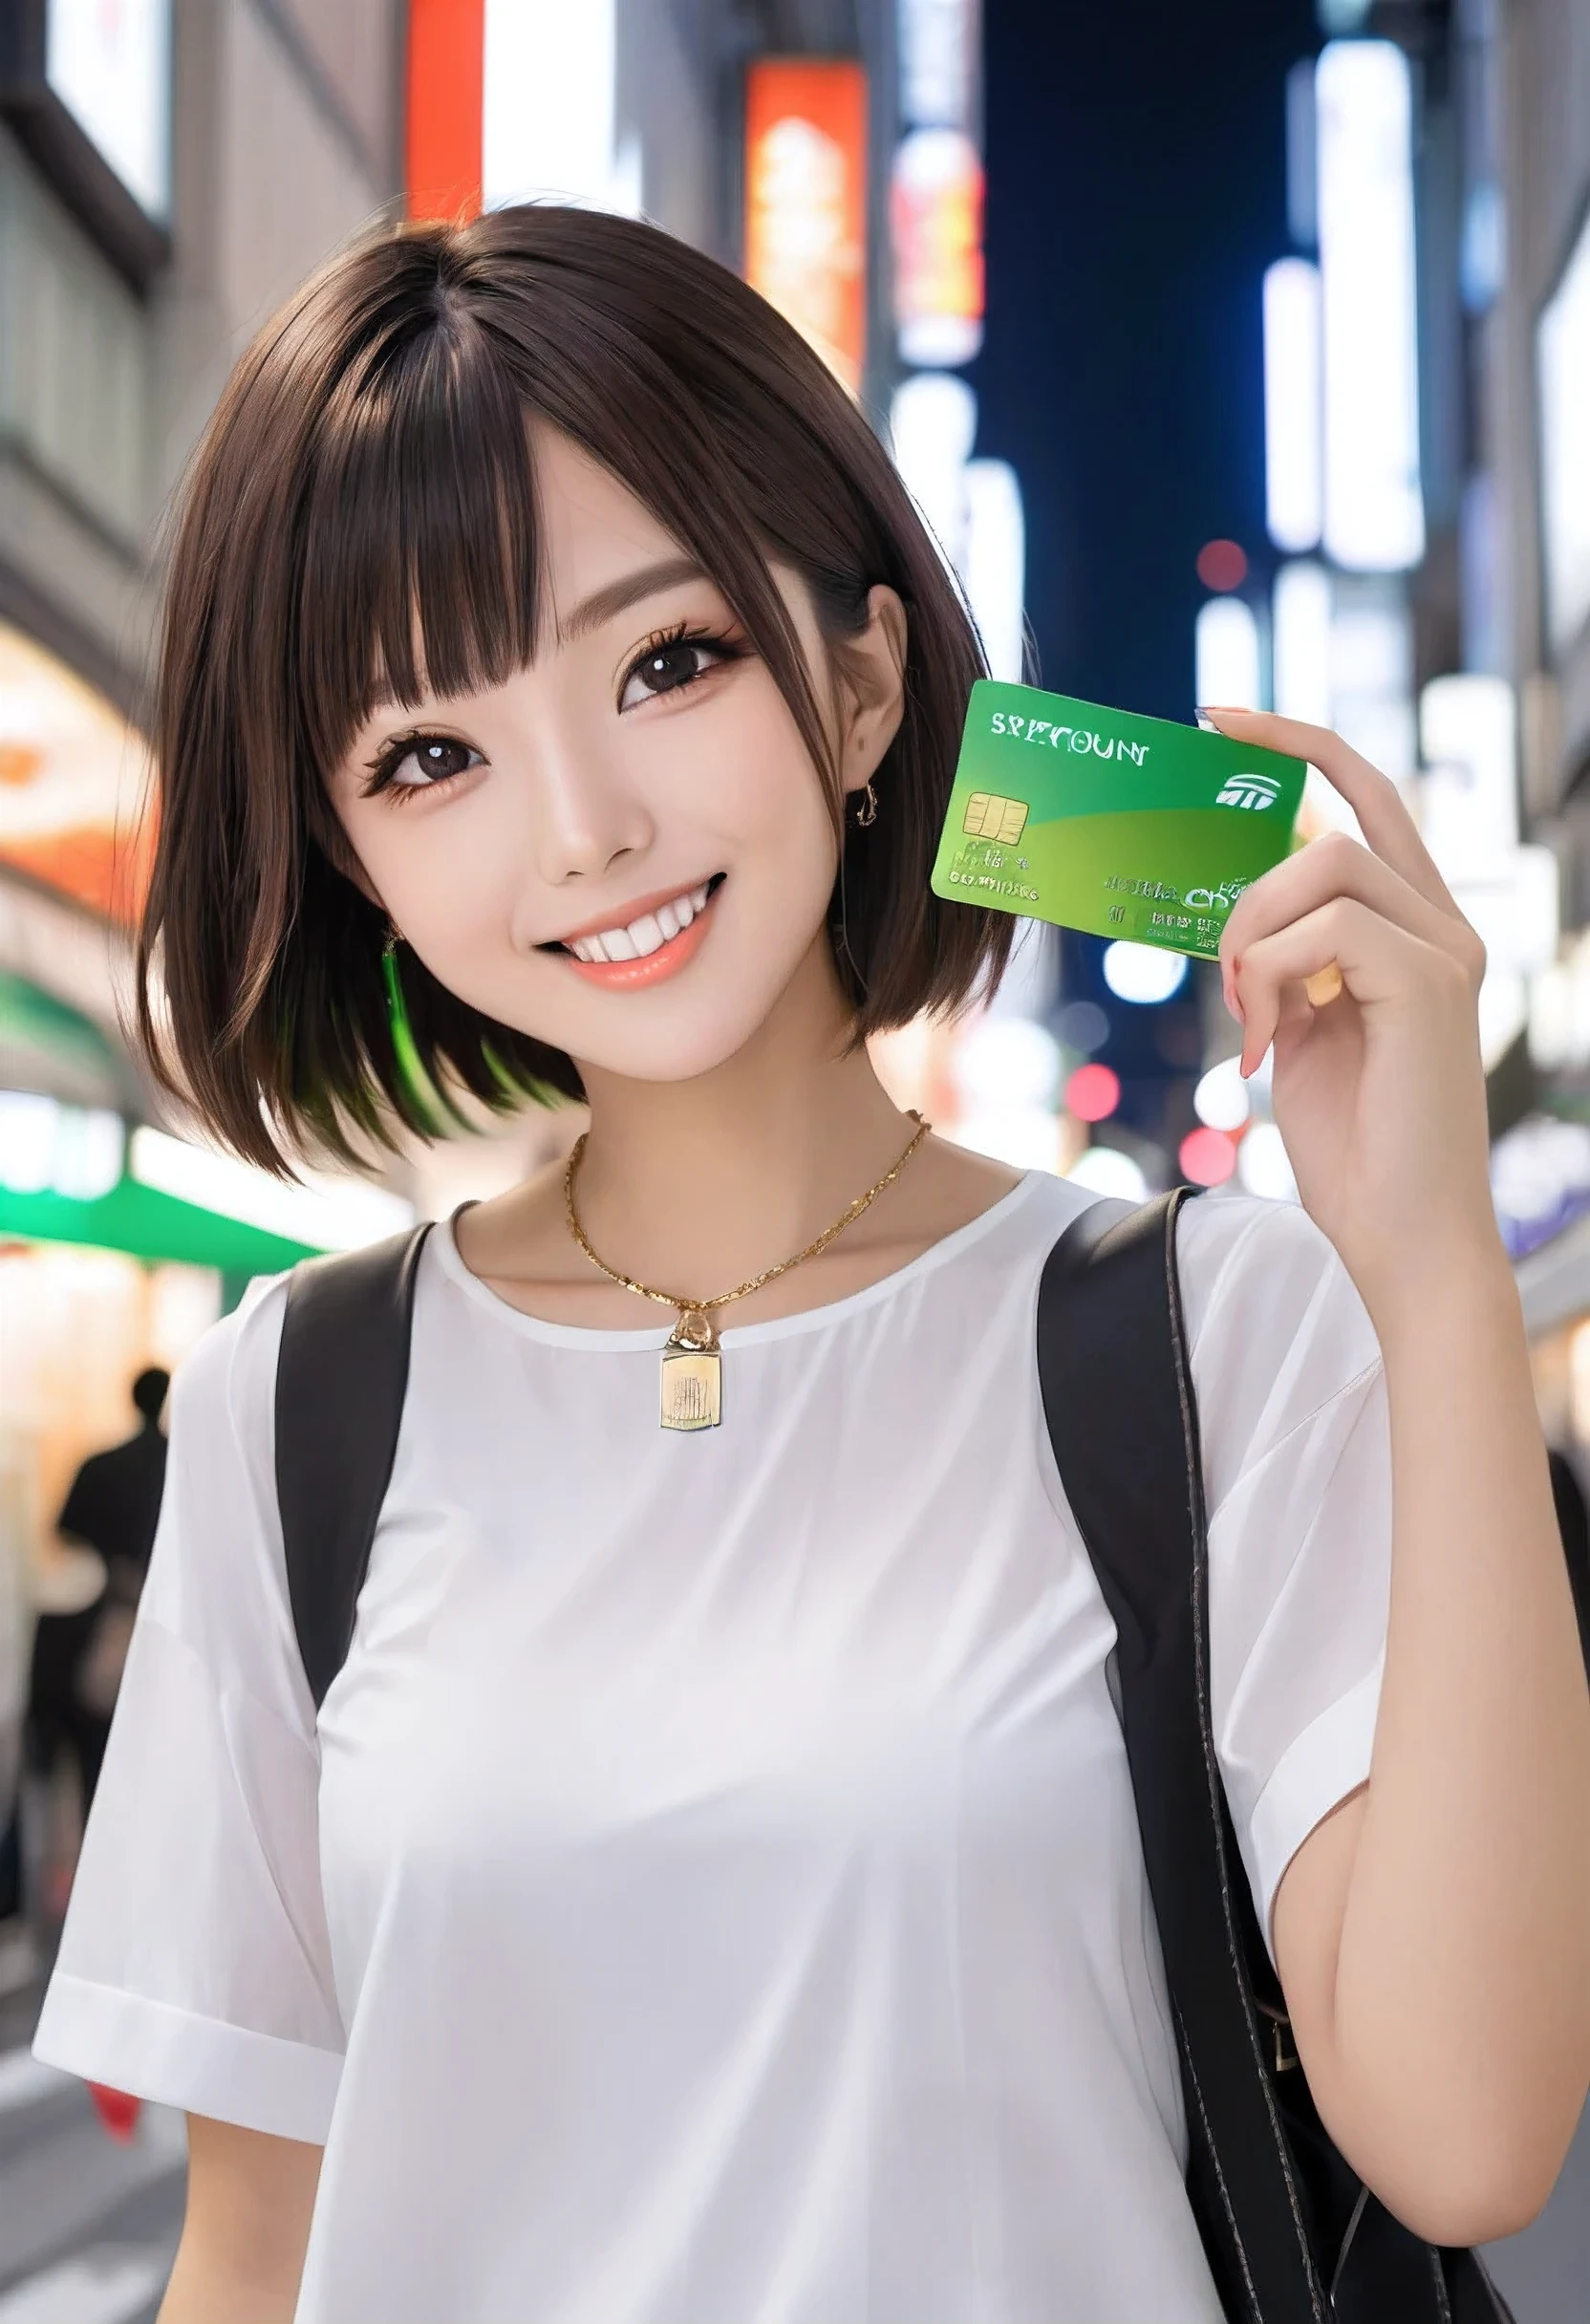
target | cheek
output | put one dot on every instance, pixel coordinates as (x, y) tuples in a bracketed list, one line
[(442, 875), (750, 778)]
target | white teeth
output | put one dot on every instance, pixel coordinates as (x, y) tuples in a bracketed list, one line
[(644, 935)]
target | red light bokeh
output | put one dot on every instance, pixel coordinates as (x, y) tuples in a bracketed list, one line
[(1222, 564), (1092, 1093)]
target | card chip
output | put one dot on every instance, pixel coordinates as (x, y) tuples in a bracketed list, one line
[(988, 817)]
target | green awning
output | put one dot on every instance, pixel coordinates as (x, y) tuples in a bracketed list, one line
[(147, 1224)]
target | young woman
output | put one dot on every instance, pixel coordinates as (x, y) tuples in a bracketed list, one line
[(710, 1893)]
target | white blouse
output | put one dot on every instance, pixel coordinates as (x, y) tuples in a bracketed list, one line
[(712, 1894)]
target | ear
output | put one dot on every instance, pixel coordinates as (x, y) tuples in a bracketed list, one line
[(873, 667)]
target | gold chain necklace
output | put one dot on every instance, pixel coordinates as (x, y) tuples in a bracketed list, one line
[(693, 1360)]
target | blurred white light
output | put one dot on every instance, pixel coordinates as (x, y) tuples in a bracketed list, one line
[(111, 67), (29, 1125), (1563, 354), (995, 571), (90, 1147), (1225, 652), (1372, 646), (1513, 903), (546, 105), (937, 50), (1105, 1170), (48, 1148), (933, 425), (1262, 1165), (1469, 795), (1294, 444), (1221, 1101), (1026, 1137), (331, 1214), (1143, 972), (1554, 1025), (1503, 1013), (1301, 642), (1374, 519), (1560, 1008), (1006, 1061), (1371, 672)]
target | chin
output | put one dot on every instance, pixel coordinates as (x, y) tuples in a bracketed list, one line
[(695, 1043)]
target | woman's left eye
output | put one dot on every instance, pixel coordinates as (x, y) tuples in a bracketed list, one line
[(422, 762), (670, 663)]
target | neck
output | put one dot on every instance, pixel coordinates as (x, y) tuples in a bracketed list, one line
[(691, 1186)]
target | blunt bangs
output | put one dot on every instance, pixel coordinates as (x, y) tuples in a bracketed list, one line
[(361, 522), (420, 561)]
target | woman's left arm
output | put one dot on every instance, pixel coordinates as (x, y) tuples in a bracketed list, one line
[(1434, 1934)]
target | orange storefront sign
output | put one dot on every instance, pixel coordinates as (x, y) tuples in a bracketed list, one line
[(805, 201), (74, 810)]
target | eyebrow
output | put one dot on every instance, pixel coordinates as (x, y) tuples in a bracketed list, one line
[(646, 581), (601, 606)]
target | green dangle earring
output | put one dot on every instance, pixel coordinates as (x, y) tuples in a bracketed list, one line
[(418, 1087)]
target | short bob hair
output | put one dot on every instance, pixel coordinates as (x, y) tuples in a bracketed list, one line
[(362, 510)]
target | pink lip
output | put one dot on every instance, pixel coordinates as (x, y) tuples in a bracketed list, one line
[(630, 975)]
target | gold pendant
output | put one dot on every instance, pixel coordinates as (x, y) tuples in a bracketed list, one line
[(692, 1374)]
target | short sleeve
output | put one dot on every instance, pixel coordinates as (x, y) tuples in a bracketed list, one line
[(194, 1968), (1296, 1456)]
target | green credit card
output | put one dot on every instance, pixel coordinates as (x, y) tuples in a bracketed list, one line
[(1102, 820)]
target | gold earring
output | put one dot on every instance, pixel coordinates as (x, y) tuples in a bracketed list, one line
[(867, 813)]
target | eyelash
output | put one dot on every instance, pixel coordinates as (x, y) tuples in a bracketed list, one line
[(384, 768), (683, 632)]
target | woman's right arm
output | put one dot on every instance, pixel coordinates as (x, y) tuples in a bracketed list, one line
[(249, 2199)]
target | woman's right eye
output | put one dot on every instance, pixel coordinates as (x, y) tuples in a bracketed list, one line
[(422, 762)]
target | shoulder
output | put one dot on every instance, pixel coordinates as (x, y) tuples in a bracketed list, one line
[(1277, 1332), (1266, 1269), (227, 1379)]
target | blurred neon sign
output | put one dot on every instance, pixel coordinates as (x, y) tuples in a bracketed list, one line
[(805, 201)]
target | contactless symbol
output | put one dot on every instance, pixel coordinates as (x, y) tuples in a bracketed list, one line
[(1258, 791), (991, 817)]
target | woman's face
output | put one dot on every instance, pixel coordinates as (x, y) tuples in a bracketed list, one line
[(623, 850)]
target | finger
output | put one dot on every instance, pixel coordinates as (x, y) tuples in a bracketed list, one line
[(1338, 865), (1374, 958), (1373, 797)]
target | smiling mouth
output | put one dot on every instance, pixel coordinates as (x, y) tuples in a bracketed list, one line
[(646, 949)]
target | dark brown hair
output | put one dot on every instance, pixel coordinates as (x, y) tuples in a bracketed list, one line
[(362, 508)]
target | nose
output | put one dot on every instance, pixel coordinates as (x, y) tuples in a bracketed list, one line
[(587, 818)]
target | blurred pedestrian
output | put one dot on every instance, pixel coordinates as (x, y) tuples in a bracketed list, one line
[(79, 1649)]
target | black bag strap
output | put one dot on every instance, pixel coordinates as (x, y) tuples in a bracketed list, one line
[(1118, 1398), (341, 1378)]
